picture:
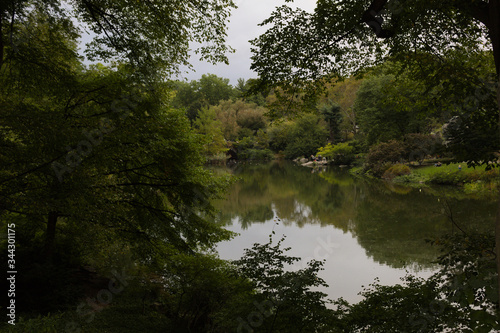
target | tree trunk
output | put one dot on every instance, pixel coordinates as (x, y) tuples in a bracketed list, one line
[(494, 31), (50, 236)]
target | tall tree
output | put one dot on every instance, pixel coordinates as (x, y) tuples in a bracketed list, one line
[(154, 36), (97, 149), (332, 115), (205, 92)]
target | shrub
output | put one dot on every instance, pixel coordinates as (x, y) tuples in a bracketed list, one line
[(341, 153), (449, 178), (381, 156), (396, 170), (418, 146), (249, 149)]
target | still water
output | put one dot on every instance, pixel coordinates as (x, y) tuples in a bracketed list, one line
[(364, 229)]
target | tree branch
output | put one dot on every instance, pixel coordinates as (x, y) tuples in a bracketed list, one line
[(478, 10)]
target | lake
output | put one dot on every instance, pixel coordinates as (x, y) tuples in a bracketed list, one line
[(364, 229)]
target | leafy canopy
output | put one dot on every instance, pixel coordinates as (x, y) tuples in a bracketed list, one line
[(154, 36), (301, 51)]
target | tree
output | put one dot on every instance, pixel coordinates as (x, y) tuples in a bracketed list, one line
[(383, 154), (251, 117), (286, 299), (214, 89), (92, 156), (418, 146), (344, 94), (301, 49), (385, 109), (303, 46), (244, 90), (306, 135), (460, 297), (187, 97), (226, 112), (153, 36), (331, 113), (211, 130), (279, 133), (208, 91)]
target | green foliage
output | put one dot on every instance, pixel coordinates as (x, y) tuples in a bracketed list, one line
[(120, 31), (460, 297), (341, 153), (415, 147), (300, 137), (382, 155), (306, 135), (449, 178), (249, 149), (210, 130), (239, 119), (157, 35), (449, 73), (414, 306), (251, 118), (188, 98), (332, 115), (51, 323), (94, 157), (245, 91), (420, 146), (396, 170), (473, 137), (201, 293), (469, 278), (287, 298), (279, 134), (382, 113), (300, 49), (226, 112), (244, 133), (214, 89), (208, 91), (343, 92)]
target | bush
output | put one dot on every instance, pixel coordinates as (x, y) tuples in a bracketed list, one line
[(305, 136), (410, 178), (50, 323), (449, 178), (418, 146), (381, 156), (396, 170), (249, 149), (341, 153), (490, 175)]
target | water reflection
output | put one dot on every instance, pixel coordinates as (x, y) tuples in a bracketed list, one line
[(391, 223)]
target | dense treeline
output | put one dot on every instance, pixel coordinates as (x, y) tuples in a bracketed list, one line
[(386, 116)]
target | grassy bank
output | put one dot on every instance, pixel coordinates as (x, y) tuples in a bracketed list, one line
[(473, 180)]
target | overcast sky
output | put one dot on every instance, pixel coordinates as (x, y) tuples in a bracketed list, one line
[(243, 27)]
